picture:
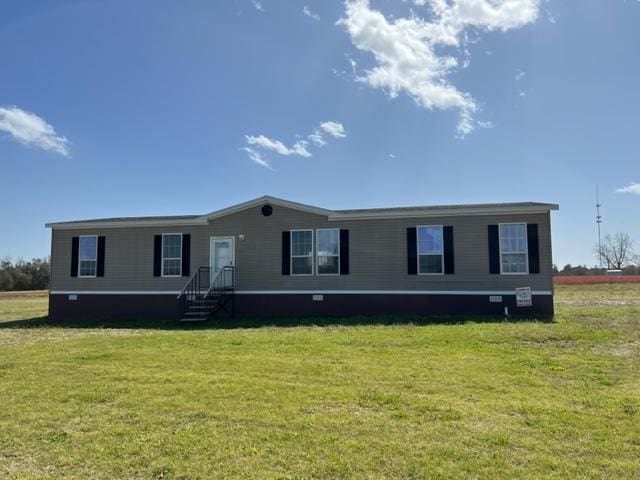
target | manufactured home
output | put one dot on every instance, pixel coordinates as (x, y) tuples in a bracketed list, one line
[(270, 256)]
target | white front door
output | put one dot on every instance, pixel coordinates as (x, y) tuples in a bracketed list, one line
[(222, 253)]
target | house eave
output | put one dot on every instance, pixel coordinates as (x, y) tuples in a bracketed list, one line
[(278, 202), (331, 215), (445, 212), (123, 224), (198, 220)]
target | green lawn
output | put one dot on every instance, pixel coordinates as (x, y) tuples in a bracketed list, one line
[(366, 399)]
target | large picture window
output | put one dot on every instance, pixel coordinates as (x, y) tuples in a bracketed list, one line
[(430, 254), (513, 248), (328, 251), (87, 256), (301, 252), (172, 255)]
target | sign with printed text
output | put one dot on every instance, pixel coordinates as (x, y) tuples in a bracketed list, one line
[(523, 297)]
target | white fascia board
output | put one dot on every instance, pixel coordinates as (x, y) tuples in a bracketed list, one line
[(386, 292), (264, 200), (114, 292), (80, 225), (444, 212), (305, 292), (330, 214), (201, 220)]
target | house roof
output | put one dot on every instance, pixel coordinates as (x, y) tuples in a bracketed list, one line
[(447, 210), (351, 214)]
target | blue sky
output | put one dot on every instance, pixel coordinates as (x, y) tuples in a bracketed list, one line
[(113, 107)]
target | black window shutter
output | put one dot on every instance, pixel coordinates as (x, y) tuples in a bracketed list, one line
[(412, 251), (186, 254), (286, 253), (494, 249), (157, 255), (100, 266), (75, 249), (344, 252), (449, 264), (533, 247)]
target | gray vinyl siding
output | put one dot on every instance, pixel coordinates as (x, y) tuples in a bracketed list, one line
[(377, 247)]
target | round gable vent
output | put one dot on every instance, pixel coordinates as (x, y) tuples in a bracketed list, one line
[(267, 210)]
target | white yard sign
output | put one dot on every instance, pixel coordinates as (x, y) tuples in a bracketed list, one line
[(523, 297)]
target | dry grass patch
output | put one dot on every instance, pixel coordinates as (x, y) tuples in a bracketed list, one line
[(24, 294)]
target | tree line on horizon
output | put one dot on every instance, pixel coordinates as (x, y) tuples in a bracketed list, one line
[(24, 275), (573, 270), (615, 252)]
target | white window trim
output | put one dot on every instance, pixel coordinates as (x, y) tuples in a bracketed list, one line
[(301, 256), (95, 258), (162, 258), (526, 248), (441, 227), (318, 255)]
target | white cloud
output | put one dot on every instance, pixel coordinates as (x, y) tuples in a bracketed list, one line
[(351, 74), (519, 75), (633, 188), (551, 17), (317, 139), (30, 129), (354, 64), (299, 148), (408, 51), (466, 60), (258, 6), (309, 13), (256, 157), (258, 144), (335, 129)]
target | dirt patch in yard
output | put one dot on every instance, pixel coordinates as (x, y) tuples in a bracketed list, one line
[(593, 279), (22, 336), (598, 302), (619, 349)]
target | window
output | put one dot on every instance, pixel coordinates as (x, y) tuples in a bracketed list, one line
[(87, 256), (328, 251), (171, 254), (301, 252), (513, 248), (430, 257)]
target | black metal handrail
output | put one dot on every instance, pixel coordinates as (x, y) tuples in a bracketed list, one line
[(197, 285), (223, 281), (193, 279)]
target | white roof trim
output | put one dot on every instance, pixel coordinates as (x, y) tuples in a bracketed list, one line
[(305, 292), (445, 212), (201, 220), (279, 202), (332, 215), (79, 225)]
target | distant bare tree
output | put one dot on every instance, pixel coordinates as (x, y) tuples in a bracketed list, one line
[(617, 251)]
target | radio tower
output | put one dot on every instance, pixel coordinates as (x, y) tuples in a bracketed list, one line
[(599, 221)]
